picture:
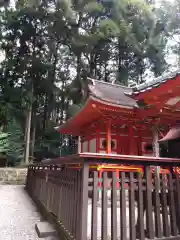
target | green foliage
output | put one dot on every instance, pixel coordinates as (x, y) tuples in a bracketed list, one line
[(15, 139), (50, 48), (50, 144), (11, 142), (4, 143)]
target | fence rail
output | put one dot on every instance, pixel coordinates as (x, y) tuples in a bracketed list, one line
[(132, 206)]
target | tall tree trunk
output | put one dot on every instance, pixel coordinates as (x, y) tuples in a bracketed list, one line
[(52, 76), (45, 112), (78, 68), (33, 125), (33, 139), (28, 131), (119, 61), (105, 73), (25, 130), (28, 127), (122, 78)]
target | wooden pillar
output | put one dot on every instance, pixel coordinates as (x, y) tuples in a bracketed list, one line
[(108, 137), (156, 150), (130, 136), (155, 142), (88, 144), (79, 145), (83, 207), (97, 141), (139, 142)]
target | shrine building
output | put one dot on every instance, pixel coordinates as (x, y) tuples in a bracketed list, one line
[(120, 120)]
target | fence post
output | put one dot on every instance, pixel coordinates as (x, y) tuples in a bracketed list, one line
[(84, 202), (27, 178), (149, 218)]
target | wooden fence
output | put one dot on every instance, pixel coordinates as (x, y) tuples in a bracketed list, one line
[(130, 207)]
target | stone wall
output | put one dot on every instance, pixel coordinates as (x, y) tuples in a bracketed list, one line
[(13, 175)]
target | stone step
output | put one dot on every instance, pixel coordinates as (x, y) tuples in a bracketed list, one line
[(45, 230)]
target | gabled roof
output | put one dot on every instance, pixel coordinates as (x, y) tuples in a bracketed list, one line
[(122, 95), (103, 98), (155, 82), (111, 93)]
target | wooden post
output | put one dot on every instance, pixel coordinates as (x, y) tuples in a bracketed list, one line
[(83, 203), (108, 137)]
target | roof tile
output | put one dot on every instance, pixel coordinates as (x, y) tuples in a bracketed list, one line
[(112, 93)]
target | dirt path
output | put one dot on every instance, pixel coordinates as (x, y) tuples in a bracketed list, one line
[(18, 214)]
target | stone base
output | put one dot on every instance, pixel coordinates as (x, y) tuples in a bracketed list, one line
[(13, 176), (44, 230)]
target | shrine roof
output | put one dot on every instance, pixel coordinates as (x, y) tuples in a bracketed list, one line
[(155, 82), (102, 99), (111, 93), (122, 95)]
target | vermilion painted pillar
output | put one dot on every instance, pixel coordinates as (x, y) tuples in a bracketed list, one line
[(140, 142), (88, 144), (97, 141), (108, 137), (130, 136)]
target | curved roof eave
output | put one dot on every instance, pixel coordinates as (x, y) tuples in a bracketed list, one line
[(71, 118), (94, 100), (147, 86), (113, 104)]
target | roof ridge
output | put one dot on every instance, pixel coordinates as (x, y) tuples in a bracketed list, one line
[(109, 83), (163, 77)]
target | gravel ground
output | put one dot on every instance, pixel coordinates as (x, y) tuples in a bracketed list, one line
[(18, 214)]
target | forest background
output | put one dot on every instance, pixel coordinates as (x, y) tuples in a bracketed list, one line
[(48, 48)]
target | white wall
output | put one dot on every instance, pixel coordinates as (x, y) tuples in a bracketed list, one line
[(84, 146), (92, 146)]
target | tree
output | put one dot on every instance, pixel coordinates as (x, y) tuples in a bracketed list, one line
[(4, 143), (52, 46), (15, 149)]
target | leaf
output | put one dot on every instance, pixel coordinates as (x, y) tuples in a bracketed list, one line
[(94, 8), (108, 28)]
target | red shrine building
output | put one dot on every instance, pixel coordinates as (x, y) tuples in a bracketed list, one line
[(121, 120)]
